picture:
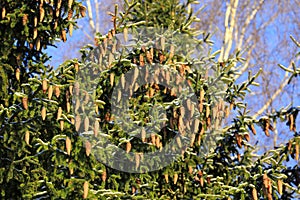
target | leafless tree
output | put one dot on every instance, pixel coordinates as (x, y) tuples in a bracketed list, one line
[(261, 30)]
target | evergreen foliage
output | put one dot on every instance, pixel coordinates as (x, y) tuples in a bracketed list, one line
[(42, 112)]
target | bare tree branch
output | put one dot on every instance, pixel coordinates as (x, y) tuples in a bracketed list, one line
[(229, 41), (97, 16), (227, 14), (249, 19), (275, 94), (86, 33), (90, 15)]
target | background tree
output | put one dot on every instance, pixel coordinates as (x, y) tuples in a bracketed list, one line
[(45, 156)]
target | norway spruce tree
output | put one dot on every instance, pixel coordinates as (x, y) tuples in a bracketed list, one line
[(61, 128), (34, 100)]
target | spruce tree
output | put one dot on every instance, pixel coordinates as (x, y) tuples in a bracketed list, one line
[(45, 113)]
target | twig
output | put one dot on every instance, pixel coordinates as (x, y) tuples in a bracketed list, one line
[(275, 94), (90, 14)]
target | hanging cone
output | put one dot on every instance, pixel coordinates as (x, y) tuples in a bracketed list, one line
[(182, 111), (153, 138), (136, 73), (202, 130), (128, 147), (267, 127), (207, 111), (112, 78), (163, 43), (151, 53), (123, 81), (35, 21), (178, 140), (57, 91), (18, 74), (175, 178), (70, 14), (59, 113), (247, 137), (201, 181), (96, 128), (146, 74), (86, 124), (252, 129), (77, 104), (70, 2), (61, 123), (88, 148), (85, 190), (157, 142), (143, 135), (50, 92), (267, 184), (76, 66), (167, 77), (196, 125), (64, 35), (133, 190), (68, 107), (254, 194), (189, 104), (27, 136), (77, 122), (239, 157), (279, 186), (72, 120), (103, 176), (42, 14), (68, 145), (141, 155), (71, 27), (71, 170), (119, 96), (43, 113), (137, 160), (3, 12), (57, 11), (291, 121), (172, 49), (58, 5), (148, 57), (167, 178), (238, 140), (151, 92), (141, 60), (35, 32), (44, 85), (125, 32), (193, 137), (55, 24), (173, 92), (289, 146), (109, 36), (25, 102)]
